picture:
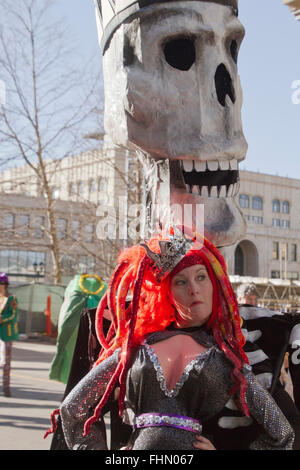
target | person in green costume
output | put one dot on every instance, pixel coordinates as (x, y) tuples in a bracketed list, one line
[(84, 291), (8, 330)]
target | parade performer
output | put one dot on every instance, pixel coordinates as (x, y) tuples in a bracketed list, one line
[(269, 336), (8, 330), (84, 291), (176, 354)]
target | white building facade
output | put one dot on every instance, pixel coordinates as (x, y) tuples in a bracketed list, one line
[(270, 247)]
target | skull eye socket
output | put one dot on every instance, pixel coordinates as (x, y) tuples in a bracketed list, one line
[(234, 50), (180, 53)]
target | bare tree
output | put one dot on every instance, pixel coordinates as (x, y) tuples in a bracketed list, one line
[(48, 101)]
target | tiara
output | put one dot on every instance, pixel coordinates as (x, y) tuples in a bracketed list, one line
[(172, 251), (110, 14)]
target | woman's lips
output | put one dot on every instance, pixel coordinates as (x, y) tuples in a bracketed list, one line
[(196, 303)]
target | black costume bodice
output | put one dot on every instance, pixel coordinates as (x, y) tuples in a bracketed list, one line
[(194, 395), (201, 392)]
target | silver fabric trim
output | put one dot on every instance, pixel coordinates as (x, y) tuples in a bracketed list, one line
[(181, 422), (184, 376)]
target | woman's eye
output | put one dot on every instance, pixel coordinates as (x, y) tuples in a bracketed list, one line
[(201, 277)]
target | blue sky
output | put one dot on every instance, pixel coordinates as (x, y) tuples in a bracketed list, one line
[(269, 63)]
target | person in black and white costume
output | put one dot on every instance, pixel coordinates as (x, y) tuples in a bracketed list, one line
[(269, 336)]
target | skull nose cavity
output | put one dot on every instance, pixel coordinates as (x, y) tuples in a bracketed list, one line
[(224, 86), (180, 53)]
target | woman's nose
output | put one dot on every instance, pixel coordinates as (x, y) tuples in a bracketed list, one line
[(194, 289)]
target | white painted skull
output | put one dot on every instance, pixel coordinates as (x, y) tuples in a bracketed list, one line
[(172, 92)]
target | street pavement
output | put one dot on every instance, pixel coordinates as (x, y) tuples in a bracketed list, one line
[(25, 416)]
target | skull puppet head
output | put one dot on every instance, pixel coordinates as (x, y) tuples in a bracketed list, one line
[(172, 92)]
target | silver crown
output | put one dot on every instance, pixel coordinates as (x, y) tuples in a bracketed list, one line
[(172, 251), (110, 14)]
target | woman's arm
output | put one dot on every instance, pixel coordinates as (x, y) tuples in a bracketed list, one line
[(277, 433), (79, 405)]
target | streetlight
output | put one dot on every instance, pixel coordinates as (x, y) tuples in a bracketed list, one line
[(39, 269)]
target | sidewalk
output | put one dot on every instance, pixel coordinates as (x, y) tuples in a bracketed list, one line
[(25, 416)]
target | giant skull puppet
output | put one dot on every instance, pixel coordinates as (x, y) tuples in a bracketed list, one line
[(173, 94)]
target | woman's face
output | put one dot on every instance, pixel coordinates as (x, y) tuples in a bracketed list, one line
[(2, 289), (192, 295)]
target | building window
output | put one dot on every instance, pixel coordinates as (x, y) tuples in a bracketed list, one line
[(275, 274), (80, 187), (257, 220), (55, 192), (276, 222), (285, 207), (293, 275), (293, 248), (62, 228), (257, 203), (101, 184), (275, 253), (244, 201), (72, 189), (75, 228), (88, 233), (9, 221), (68, 265), (276, 205), (285, 223), (23, 225), (9, 224), (86, 264), (38, 226), (22, 262), (92, 186), (284, 251)]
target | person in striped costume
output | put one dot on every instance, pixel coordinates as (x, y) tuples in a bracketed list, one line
[(269, 336)]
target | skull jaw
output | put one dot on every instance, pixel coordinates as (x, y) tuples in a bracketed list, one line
[(223, 222), (167, 200)]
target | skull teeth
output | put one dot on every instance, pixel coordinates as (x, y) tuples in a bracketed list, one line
[(213, 191), (211, 165), (214, 178)]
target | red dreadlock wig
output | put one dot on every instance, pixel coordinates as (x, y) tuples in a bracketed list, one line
[(151, 310)]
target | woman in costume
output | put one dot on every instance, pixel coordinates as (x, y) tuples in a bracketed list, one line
[(173, 358), (8, 330)]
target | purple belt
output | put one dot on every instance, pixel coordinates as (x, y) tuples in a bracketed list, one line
[(174, 421)]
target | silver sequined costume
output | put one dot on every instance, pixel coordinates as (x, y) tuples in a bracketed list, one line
[(201, 392)]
